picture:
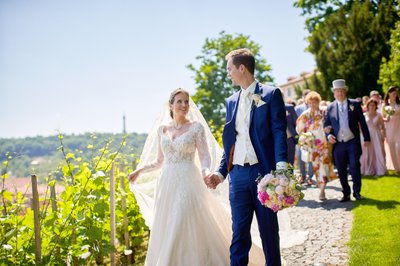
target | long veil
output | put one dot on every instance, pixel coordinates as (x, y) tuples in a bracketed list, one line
[(145, 186)]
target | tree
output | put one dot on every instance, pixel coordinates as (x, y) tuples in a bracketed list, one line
[(213, 85), (349, 40), (389, 74)]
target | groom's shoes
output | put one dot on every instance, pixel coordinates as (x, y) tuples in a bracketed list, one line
[(344, 199), (358, 197)]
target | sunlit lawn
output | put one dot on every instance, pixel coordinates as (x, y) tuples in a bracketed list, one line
[(375, 235)]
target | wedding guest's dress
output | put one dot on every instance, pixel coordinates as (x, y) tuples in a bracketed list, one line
[(373, 156), (188, 227), (393, 140), (320, 151)]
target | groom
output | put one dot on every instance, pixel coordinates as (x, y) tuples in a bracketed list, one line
[(254, 140)]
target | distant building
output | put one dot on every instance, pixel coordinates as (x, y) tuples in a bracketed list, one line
[(288, 88)]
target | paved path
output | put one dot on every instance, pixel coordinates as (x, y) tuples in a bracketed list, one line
[(328, 223)]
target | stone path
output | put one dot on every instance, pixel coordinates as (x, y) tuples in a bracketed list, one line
[(329, 225)]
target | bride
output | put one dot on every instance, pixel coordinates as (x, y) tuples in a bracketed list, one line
[(188, 227), (190, 224)]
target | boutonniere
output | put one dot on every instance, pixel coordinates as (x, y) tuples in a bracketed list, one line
[(351, 107), (257, 100)]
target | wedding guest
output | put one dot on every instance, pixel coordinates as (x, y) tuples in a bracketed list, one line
[(343, 120), (300, 108), (365, 99), (312, 121), (377, 97), (323, 105), (391, 113), (291, 118), (373, 156)]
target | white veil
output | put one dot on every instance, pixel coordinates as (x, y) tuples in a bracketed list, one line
[(144, 187)]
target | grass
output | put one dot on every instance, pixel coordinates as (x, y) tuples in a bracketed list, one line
[(375, 235)]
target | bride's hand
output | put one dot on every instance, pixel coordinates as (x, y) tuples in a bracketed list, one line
[(134, 175)]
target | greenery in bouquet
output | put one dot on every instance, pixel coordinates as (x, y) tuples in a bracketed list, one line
[(388, 110), (306, 140), (279, 189)]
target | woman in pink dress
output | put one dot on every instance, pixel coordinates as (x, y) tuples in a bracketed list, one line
[(312, 140), (373, 155), (391, 114)]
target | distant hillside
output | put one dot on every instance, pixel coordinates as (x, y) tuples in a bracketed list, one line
[(43, 154)]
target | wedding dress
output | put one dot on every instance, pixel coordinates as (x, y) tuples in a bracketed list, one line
[(188, 227), (190, 224)]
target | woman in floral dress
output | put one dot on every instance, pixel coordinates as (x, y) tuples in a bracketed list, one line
[(310, 126)]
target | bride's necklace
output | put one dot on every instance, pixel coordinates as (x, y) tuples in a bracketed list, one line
[(178, 127)]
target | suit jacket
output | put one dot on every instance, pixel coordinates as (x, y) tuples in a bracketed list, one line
[(356, 119), (267, 129), (300, 109), (291, 118)]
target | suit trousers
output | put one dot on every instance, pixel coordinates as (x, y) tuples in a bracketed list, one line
[(244, 203), (348, 154)]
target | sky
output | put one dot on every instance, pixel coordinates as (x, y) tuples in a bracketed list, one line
[(80, 66)]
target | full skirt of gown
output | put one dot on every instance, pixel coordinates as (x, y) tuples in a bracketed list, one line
[(184, 230)]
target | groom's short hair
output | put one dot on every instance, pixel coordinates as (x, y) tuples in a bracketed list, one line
[(244, 57)]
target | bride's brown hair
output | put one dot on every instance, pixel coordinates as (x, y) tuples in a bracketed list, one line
[(172, 98)]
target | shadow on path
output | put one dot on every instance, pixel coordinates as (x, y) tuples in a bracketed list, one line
[(380, 204), (327, 204)]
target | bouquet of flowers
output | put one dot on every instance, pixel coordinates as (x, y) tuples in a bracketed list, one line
[(279, 189), (306, 143), (389, 110), (306, 140)]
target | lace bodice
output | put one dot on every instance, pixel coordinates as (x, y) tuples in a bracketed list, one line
[(182, 149)]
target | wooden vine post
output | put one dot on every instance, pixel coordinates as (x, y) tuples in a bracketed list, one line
[(36, 219)]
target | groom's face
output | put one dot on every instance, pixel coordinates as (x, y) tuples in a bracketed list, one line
[(233, 73)]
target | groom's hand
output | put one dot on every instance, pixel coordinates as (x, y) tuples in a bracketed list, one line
[(212, 180)]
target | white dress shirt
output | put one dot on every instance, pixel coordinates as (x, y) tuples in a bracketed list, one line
[(244, 150)]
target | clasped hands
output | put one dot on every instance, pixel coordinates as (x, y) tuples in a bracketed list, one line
[(211, 180)]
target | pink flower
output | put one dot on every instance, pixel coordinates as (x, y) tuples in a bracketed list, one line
[(289, 200), (275, 207), (263, 196), (317, 142)]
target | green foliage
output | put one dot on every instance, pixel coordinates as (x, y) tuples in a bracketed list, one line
[(78, 229), (375, 235), (349, 40), (40, 154), (389, 74), (213, 85)]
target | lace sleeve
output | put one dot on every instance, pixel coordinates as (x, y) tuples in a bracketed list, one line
[(202, 148), (157, 163)]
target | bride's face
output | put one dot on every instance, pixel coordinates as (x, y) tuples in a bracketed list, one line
[(180, 107)]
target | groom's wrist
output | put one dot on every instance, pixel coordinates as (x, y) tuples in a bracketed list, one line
[(220, 176), (281, 165)]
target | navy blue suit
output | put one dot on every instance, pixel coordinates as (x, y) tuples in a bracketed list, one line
[(268, 136), (348, 153), (291, 118)]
